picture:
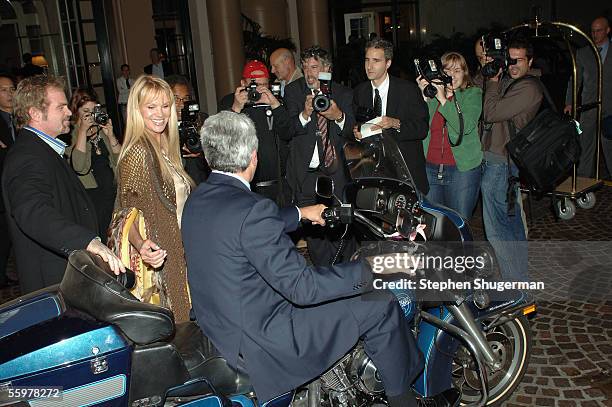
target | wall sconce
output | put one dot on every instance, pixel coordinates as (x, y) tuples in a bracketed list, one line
[(39, 60)]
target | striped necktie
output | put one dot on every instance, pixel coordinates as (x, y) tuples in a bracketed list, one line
[(328, 148)]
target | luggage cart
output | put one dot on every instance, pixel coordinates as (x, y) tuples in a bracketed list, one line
[(574, 190)]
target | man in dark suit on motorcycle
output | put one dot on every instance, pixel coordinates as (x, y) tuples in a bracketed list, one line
[(260, 303)]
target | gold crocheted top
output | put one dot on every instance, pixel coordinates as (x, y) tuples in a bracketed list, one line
[(141, 185)]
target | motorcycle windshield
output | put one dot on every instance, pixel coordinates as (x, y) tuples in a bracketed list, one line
[(376, 156)]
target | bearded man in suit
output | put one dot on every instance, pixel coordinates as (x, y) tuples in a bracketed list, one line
[(317, 140)]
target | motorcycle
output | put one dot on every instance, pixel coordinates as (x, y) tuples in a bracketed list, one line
[(89, 342), (479, 343)]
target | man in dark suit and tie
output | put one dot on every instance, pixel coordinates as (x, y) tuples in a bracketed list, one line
[(259, 302), (7, 138), (317, 140), (400, 105), (587, 88), (48, 211)]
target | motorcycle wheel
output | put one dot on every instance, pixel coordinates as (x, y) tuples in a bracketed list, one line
[(511, 342)]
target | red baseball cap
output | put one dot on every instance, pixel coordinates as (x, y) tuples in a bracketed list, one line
[(254, 66)]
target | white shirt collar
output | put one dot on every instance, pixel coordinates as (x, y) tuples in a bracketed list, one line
[(383, 88), (231, 174)]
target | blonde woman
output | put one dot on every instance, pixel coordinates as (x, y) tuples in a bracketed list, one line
[(453, 162), (151, 179)]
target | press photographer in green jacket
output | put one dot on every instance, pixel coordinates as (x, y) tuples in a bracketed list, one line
[(453, 167)]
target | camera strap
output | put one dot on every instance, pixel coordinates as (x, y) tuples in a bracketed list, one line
[(98, 129), (461, 123)]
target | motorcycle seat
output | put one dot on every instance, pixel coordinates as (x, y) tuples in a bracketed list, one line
[(203, 360), (89, 285)]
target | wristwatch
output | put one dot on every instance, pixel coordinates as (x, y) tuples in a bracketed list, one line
[(340, 119)]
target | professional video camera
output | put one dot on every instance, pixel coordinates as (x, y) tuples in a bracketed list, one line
[(322, 101), (188, 127), (432, 72), (99, 116), (496, 47)]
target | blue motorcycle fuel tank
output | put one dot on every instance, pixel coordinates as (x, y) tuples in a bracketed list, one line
[(89, 360)]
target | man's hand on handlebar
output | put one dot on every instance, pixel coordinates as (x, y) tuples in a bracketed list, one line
[(314, 214)]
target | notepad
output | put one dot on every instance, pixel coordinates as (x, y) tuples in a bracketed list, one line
[(371, 127)]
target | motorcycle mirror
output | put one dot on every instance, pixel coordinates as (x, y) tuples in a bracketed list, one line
[(324, 187)]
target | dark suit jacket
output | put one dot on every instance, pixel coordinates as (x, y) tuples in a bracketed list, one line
[(587, 80), (272, 157), (253, 293), (304, 138), (7, 139), (404, 102), (49, 212), (148, 69)]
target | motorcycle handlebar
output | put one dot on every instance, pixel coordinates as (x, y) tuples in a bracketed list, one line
[(331, 215), (338, 215)]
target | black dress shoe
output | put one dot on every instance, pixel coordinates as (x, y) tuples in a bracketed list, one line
[(448, 398)]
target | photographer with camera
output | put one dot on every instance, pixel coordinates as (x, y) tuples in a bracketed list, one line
[(255, 99), (452, 147), (93, 153), (512, 99), (477, 78), (190, 120), (321, 121)]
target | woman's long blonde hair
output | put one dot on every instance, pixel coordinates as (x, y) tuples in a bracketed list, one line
[(145, 89)]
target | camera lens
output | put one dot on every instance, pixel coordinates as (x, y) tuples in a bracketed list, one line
[(430, 91), (492, 68), (321, 103), (101, 118), (190, 138), (253, 95)]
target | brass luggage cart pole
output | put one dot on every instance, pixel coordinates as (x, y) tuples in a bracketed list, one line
[(575, 188)]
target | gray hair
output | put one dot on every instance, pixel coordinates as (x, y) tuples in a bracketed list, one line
[(318, 54), (379, 43), (228, 140)]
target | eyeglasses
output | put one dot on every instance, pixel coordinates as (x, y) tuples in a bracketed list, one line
[(7, 89), (452, 71), (185, 99)]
